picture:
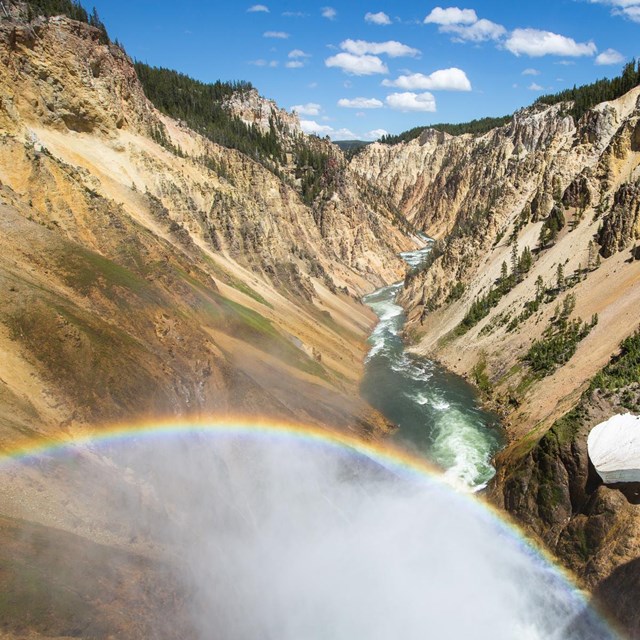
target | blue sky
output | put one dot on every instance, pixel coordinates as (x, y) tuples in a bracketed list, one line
[(360, 67)]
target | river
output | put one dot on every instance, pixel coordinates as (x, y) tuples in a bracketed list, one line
[(438, 413)]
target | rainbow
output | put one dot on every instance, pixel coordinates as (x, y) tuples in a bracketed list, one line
[(392, 458), (397, 459)]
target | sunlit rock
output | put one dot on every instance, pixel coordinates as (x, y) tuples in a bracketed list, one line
[(614, 449)]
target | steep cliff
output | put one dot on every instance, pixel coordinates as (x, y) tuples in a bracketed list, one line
[(549, 484), (520, 215), (533, 285), (148, 271)]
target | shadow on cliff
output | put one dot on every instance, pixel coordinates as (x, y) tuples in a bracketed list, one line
[(619, 595)]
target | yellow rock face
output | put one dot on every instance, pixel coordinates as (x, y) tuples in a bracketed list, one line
[(137, 282)]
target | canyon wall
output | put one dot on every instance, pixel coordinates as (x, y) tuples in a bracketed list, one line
[(147, 271), (533, 286)]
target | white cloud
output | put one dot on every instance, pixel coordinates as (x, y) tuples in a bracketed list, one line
[(257, 8), (298, 53), (409, 101), (392, 48), (633, 13), (534, 86), (297, 59), (344, 134), (376, 134), (264, 63), (380, 18), (452, 15), (617, 3), (357, 65), (282, 35), (360, 103), (536, 43), (610, 56), (329, 13), (465, 25), (314, 128), (442, 80), (626, 8), (309, 109), (479, 31), (531, 72)]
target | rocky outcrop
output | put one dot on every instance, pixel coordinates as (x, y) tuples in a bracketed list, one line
[(621, 226), (549, 483), (437, 177), (253, 109), (56, 96), (580, 193)]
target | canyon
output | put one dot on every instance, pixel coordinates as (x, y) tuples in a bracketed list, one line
[(148, 272), (488, 199)]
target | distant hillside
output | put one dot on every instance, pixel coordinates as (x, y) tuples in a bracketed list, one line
[(351, 148), (351, 145), (589, 95), (584, 98), (476, 127)]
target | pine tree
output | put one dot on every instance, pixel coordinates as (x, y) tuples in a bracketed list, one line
[(94, 21), (515, 254), (557, 189), (526, 261), (568, 306), (591, 255), (542, 238), (560, 281), (553, 231), (504, 273), (540, 289)]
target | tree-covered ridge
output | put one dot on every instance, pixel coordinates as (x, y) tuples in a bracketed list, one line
[(306, 164), (583, 98), (47, 8), (589, 95), (475, 127), (200, 106), (70, 8), (178, 92)]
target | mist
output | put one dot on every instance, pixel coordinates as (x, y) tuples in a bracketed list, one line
[(279, 539)]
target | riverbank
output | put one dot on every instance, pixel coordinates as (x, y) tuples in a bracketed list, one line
[(438, 414)]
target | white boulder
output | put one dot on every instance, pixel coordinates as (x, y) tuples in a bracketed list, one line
[(614, 449)]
